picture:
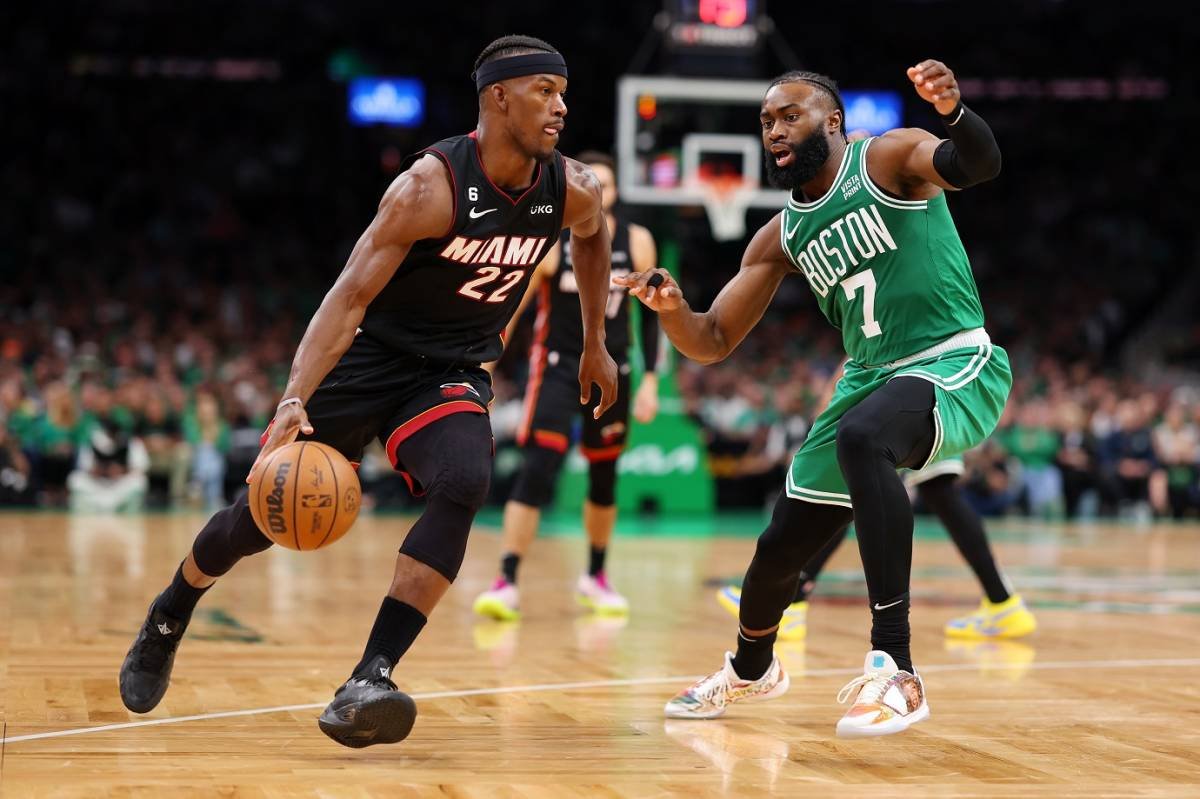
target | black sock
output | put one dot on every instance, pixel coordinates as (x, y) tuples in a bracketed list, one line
[(508, 567), (396, 627), (890, 631), (180, 598), (596, 561), (754, 655)]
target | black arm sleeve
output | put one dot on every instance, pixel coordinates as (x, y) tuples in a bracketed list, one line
[(971, 154), (649, 339)]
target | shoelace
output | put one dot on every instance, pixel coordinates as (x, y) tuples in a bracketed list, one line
[(873, 686), (378, 682), (710, 686)]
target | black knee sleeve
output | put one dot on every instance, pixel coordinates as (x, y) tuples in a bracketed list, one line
[(453, 460), (602, 482), (538, 475), (229, 536), (463, 477), (439, 538)]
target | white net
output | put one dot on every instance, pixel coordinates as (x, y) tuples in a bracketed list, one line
[(726, 202)]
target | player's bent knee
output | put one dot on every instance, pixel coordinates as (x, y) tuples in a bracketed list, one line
[(463, 480), (535, 481), (856, 436), (229, 536)]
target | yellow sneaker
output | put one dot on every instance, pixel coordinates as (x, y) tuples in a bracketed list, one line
[(1008, 619), (792, 627)]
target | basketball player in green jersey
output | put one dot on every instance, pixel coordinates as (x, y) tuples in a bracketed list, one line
[(868, 228), (1001, 614)]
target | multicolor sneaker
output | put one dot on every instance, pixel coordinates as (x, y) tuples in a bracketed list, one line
[(708, 698), (501, 601), (1007, 619), (792, 627), (886, 699), (595, 594)]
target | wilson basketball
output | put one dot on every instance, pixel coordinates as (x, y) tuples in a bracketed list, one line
[(306, 496)]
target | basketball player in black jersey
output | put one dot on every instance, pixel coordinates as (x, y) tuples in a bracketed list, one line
[(551, 409), (394, 353)]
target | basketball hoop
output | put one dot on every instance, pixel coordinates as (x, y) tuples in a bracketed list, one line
[(726, 198)]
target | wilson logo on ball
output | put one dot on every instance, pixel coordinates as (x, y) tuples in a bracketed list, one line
[(316, 500), (275, 518)]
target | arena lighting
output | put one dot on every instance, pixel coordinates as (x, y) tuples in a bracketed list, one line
[(872, 111), (386, 101), (724, 13)]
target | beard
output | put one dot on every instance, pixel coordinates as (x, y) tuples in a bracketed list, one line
[(807, 159)]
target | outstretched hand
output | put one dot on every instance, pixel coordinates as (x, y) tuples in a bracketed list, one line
[(935, 83), (657, 290)]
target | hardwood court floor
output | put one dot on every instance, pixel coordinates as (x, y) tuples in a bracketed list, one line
[(1102, 701)]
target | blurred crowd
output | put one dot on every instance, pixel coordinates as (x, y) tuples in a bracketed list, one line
[(163, 241), (1074, 440)]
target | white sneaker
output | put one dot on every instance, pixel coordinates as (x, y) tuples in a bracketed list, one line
[(708, 697), (501, 601), (886, 699), (598, 596)]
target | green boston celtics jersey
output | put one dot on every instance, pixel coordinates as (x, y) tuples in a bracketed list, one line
[(891, 274)]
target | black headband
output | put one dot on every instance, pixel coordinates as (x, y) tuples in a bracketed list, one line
[(518, 66)]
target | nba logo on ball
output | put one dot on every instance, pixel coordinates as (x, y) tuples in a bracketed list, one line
[(306, 496)]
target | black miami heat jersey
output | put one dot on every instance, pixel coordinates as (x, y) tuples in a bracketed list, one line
[(452, 297), (559, 298)]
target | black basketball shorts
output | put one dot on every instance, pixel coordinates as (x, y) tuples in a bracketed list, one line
[(552, 408), (376, 392)]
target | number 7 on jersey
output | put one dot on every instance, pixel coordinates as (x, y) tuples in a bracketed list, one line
[(864, 280)]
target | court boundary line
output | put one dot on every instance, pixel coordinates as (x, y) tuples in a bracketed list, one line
[(576, 686)]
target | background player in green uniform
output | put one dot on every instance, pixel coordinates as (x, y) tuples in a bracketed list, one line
[(868, 228)]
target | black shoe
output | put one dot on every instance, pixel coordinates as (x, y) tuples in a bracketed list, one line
[(146, 672), (369, 710)]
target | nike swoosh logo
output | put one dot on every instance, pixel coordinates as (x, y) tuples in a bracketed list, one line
[(889, 605), (475, 215), (792, 232)]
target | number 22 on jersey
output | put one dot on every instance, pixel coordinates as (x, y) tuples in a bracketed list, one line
[(487, 276)]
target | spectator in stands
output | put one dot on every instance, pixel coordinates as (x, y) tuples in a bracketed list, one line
[(1034, 444), (208, 437), (1076, 461), (111, 473), (54, 438), (1127, 459), (1176, 442), (159, 429)]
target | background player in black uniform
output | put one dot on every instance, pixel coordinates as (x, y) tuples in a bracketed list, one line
[(394, 352), (551, 410)]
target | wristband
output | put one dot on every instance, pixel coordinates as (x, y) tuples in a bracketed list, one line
[(290, 401)]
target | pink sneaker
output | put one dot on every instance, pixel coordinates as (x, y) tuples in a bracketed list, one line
[(501, 601)]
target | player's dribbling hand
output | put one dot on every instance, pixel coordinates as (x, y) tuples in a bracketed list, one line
[(290, 421), (935, 83), (661, 296)]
